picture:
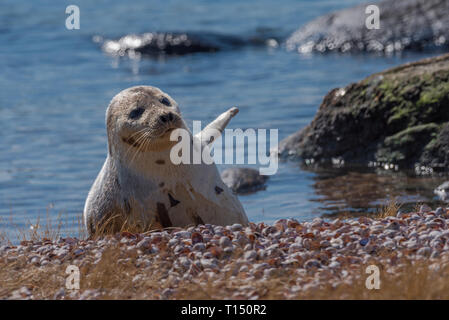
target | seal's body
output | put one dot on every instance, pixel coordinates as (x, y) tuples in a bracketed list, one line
[(139, 186)]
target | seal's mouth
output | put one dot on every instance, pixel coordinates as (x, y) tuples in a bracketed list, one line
[(167, 131)]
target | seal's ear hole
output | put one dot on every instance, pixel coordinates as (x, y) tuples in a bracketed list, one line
[(165, 101), (136, 113)]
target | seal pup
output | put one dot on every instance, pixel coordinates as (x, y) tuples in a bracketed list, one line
[(139, 187)]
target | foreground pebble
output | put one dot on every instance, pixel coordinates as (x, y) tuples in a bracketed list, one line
[(317, 252)]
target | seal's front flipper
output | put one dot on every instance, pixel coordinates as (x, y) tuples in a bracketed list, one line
[(216, 127)]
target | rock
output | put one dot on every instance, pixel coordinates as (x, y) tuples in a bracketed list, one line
[(225, 242), (394, 226), (424, 209), (154, 44), (90, 294), (197, 238), (209, 263), (236, 227), (334, 265), (312, 263), (61, 253), (145, 243), (59, 294), (182, 234), (21, 294), (404, 25), (364, 242), (250, 255), (138, 279), (397, 116), (199, 247), (244, 180), (425, 252)]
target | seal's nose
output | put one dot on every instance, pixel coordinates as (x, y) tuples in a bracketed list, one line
[(168, 117)]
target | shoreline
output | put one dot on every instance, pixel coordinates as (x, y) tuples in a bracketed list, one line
[(286, 260)]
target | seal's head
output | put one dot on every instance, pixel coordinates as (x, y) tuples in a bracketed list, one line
[(141, 119)]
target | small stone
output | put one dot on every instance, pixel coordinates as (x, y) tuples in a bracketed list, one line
[(439, 211), (225, 242), (317, 222), (144, 243), (389, 244), (425, 252), (35, 260), (20, 294), (425, 209), (236, 227), (78, 252), (168, 292), (334, 265), (250, 255), (61, 253), (138, 278), (435, 254), (244, 268), (172, 242), (269, 272), (182, 234), (295, 247), (209, 263), (312, 263), (364, 242), (197, 238), (90, 294), (59, 294), (228, 250), (400, 214), (185, 262), (43, 263), (394, 226), (199, 247)]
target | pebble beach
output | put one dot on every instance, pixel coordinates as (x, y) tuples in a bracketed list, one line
[(286, 260)]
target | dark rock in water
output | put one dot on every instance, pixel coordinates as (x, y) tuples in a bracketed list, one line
[(244, 180), (176, 43), (404, 24), (399, 116)]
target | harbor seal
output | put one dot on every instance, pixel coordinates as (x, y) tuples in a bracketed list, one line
[(139, 188)]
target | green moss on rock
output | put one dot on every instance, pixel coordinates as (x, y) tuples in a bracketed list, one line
[(393, 116)]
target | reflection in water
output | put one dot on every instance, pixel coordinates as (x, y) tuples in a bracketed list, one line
[(357, 191)]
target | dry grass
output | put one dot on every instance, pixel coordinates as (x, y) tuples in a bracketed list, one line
[(115, 279), (389, 210), (113, 276), (42, 228)]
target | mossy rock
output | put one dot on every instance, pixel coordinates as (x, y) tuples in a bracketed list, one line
[(398, 116)]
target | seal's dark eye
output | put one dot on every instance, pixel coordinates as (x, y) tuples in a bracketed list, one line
[(165, 101), (136, 113)]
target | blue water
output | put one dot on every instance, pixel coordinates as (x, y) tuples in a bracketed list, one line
[(56, 84)]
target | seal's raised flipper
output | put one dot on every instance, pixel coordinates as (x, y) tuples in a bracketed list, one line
[(214, 129)]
